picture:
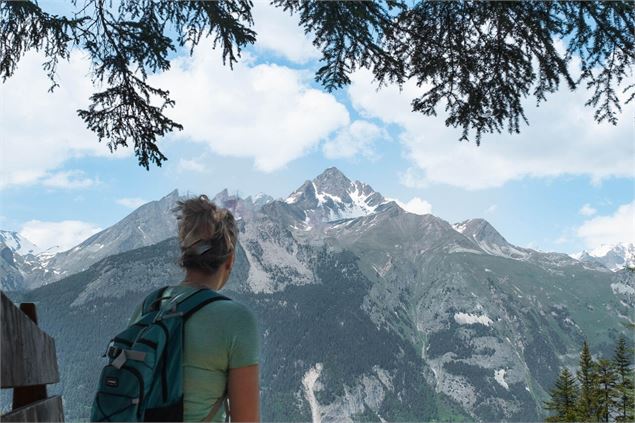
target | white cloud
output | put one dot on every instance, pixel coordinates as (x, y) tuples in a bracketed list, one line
[(413, 178), (562, 240), (265, 112), (41, 130), (491, 209), (65, 234), (279, 33), (193, 165), (587, 210), (416, 205), (71, 179), (618, 227), (354, 140), (131, 203), (562, 139)]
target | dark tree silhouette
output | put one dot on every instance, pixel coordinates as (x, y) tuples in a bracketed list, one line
[(587, 378), (606, 394), (625, 384), (564, 396), (477, 60)]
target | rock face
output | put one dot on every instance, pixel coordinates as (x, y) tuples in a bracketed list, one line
[(11, 279), (147, 225), (17, 256), (381, 315), (24, 266)]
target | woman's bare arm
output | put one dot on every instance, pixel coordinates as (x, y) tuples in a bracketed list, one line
[(243, 391)]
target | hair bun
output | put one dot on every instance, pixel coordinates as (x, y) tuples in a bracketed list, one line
[(199, 219)]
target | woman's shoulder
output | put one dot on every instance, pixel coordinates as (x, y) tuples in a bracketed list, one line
[(230, 311)]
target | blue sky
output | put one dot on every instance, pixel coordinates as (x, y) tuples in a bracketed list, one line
[(564, 184)]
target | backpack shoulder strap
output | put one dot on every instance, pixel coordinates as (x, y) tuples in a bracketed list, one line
[(153, 301), (197, 300)]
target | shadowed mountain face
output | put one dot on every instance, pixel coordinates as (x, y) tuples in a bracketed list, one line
[(385, 315)]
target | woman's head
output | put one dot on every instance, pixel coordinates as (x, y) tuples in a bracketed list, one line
[(207, 233)]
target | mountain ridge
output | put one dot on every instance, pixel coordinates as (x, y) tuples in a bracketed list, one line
[(612, 256), (329, 197)]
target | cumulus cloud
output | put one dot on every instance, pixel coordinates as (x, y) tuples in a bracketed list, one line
[(611, 229), (416, 205), (131, 203), (63, 235), (353, 141), (279, 33), (71, 179), (562, 139), (41, 130), (587, 210), (261, 111)]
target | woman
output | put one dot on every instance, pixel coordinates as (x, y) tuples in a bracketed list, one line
[(220, 352)]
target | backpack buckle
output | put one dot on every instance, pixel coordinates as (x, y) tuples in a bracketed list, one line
[(113, 352)]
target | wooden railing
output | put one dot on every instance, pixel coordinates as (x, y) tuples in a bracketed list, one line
[(28, 363)]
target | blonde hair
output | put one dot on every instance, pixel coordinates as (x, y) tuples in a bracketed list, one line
[(207, 234)]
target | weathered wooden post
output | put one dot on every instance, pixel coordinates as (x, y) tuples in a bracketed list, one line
[(28, 363)]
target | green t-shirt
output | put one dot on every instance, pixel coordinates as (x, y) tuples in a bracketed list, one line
[(218, 337)]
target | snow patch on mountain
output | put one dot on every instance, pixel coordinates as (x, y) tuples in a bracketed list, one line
[(499, 375), (18, 244), (471, 319), (310, 385), (460, 227)]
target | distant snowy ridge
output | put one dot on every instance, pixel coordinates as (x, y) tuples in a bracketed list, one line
[(612, 256), (18, 244)]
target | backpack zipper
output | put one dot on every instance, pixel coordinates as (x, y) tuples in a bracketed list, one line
[(164, 376)]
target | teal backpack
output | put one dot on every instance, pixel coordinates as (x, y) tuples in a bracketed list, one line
[(143, 380)]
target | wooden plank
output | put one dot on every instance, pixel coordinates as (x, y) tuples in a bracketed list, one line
[(47, 410), (27, 354), (25, 395)]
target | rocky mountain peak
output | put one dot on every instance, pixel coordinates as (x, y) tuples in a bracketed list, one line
[(331, 196), (260, 199), (173, 195), (221, 196), (483, 234), (482, 231), (334, 182)]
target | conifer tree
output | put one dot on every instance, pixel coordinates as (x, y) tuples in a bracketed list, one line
[(564, 396), (586, 376), (477, 61), (606, 394), (625, 385)]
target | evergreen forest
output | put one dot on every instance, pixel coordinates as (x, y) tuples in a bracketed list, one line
[(602, 390)]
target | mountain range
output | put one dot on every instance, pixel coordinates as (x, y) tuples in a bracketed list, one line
[(612, 256), (366, 311)]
